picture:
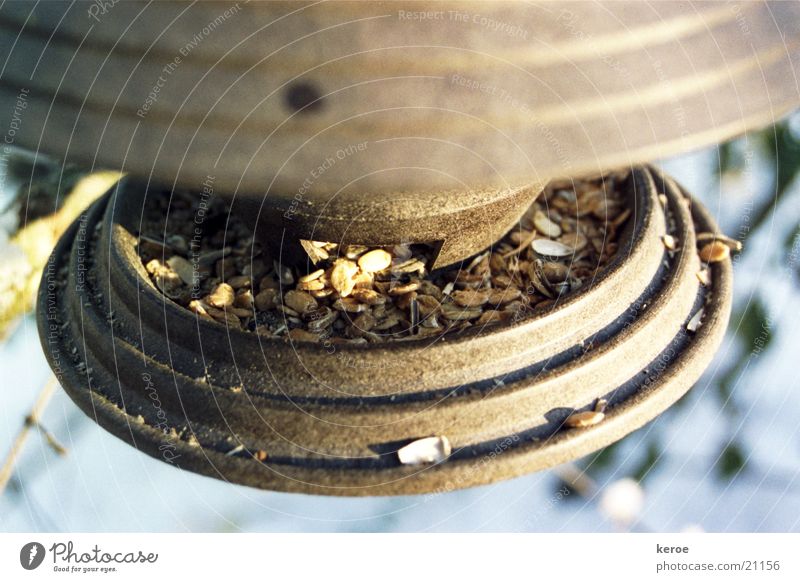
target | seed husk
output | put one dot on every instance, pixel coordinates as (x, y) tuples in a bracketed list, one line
[(322, 293), (199, 308), (546, 226), (428, 305), (284, 273), (268, 282), (503, 296), (349, 305), (386, 323), (355, 251), (300, 301), (412, 265), (715, 252), (403, 289), (669, 242), (555, 272), (314, 251), (244, 299), (224, 316), (320, 319), (584, 419), (315, 285), (375, 261), (454, 313), (364, 322), (239, 281), (266, 300), (401, 252), (313, 276), (211, 257), (363, 280), (369, 296), (404, 300), (427, 450), (471, 297), (240, 312), (575, 240), (222, 296), (183, 268), (298, 334), (491, 317), (733, 244), (694, 323), (538, 280), (343, 276)]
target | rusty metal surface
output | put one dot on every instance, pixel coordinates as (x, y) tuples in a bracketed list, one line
[(325, 422)]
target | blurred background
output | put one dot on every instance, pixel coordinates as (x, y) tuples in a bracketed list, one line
[(725, 458)]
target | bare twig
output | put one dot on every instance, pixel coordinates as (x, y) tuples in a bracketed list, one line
[(31, 420), (577, 479)]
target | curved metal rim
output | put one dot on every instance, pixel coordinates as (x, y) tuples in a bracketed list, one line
[(634, 240)]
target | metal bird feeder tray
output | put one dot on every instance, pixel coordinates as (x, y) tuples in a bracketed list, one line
[(356, 123)]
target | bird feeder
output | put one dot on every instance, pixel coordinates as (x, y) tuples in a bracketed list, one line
[(378, 124)]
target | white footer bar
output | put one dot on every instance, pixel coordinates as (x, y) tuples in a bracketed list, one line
[(404, 557)]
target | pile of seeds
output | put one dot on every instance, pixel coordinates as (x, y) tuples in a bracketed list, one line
[(206, 260)]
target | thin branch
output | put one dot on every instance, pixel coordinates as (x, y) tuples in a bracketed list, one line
[(31, 421), (577, 479)]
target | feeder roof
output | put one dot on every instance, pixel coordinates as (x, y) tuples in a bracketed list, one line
[(358, 100)]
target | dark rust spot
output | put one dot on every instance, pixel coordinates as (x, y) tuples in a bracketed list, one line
[(303, 96)]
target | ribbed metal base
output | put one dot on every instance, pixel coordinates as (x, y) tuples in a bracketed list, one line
[(206, 399)]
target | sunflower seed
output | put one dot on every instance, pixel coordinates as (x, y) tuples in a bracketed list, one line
[(715, 252), (551, 248), (427, 450), (374, 261)]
